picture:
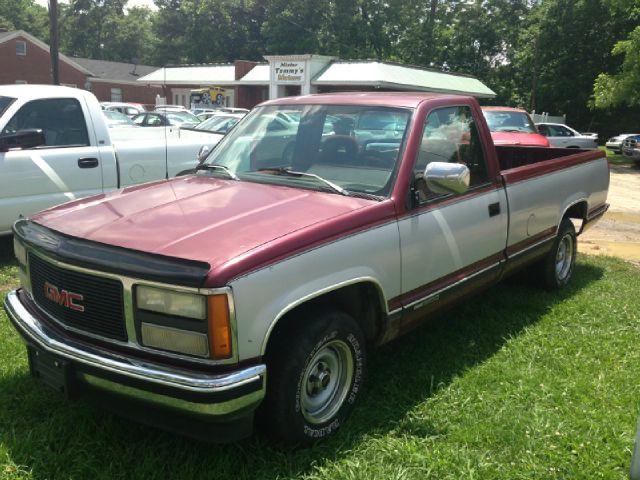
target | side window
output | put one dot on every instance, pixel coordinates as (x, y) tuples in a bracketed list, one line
[(544, 130), (451, 135), (565, 132), (60, 119), (138, 119), (154, 120)]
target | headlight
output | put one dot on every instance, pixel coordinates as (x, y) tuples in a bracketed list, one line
[(19, 251), (172, 303)]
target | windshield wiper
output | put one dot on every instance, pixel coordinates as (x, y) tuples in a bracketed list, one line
[(292, 173), (209, 166)]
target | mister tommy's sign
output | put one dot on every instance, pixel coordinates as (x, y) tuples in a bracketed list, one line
[(289, 72)]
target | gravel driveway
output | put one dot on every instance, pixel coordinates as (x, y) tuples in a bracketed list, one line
[(618, 232)]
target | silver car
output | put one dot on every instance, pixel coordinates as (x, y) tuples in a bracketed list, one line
[(615, 143), (562, 136)]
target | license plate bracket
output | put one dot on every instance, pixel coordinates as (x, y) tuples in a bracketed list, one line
[(51, 370)]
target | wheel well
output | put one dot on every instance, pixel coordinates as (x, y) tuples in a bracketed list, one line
[(362, 301), (577, 211)]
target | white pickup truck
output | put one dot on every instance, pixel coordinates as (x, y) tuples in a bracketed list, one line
[(55, 146)]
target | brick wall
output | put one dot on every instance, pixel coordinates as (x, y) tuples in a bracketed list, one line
[(34, 67), (130, 93)]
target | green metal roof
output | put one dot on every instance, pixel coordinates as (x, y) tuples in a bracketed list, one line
[(400, 77), (222, 74)]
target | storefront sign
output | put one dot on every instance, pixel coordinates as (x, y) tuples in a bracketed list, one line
[(290, 72)]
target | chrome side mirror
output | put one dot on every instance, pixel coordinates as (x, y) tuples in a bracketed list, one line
[(444, 178), (203, 153)]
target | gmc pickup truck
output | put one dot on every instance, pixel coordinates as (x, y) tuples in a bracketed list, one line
[(55, 146), (255, 287)]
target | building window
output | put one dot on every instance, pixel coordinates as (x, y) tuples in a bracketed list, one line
[(116, 94), (21, 48)]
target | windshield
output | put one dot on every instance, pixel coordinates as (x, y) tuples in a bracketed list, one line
[(509, 121), (4, 103), (219, 123), (117, 118), (355, 148), (183, 116)]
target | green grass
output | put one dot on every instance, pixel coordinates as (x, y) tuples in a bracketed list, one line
[(616, 158), (516, 383)]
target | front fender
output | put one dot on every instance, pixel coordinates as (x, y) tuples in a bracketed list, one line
[(263, 297)]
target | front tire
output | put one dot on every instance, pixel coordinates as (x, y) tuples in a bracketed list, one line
[(315, 373)]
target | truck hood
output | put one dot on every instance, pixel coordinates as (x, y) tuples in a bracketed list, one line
[(203, 218), (515, 138)]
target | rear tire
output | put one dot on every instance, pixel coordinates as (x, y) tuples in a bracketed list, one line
[(315, 372), (555, 270)]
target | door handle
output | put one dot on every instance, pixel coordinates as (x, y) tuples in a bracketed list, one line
[(87, 162), (494, 209)]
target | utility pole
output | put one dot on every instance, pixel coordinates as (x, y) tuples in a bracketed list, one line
[(53, 42)]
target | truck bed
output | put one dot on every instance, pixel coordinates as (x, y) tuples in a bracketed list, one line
[(512, 156)]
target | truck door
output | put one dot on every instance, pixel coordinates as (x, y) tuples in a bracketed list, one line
[(65, 168), (455, 242)]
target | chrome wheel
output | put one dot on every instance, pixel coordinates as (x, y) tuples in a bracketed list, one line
[(326, 382), (564, 258)]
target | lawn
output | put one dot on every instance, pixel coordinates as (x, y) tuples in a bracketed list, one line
[(616, 158), (516, 383)]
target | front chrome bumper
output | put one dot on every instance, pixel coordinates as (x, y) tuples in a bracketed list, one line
[(189, 392)]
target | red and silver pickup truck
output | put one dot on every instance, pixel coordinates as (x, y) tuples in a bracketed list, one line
[(318, 227)]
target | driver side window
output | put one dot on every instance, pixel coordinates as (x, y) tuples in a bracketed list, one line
[(450, 135), (60, 119)]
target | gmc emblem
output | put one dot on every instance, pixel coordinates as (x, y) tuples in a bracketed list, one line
[(63, 298)]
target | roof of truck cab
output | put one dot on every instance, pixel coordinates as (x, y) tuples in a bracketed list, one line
[(388, 99), (32, 91), (503, 109)]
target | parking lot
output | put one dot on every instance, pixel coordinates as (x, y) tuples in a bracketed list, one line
[(618, 233)]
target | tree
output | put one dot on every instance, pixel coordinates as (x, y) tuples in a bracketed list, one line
[(86, 27), (562, 51), (25, 15), (624, 87), (131, 38)]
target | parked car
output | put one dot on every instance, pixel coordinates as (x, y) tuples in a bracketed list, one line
[(129, 109), (512, 126), (117, 119), (233, 110), (631, 148), (220, 123), (615, 143), (55, 146), (170, 108), (264, 279), (204, 115), (563, 136), (200, 110), (182, 119)]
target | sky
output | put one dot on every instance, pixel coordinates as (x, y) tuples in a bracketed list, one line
[(130, 3)]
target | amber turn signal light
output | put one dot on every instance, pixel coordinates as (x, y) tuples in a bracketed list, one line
[(219, 326)]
